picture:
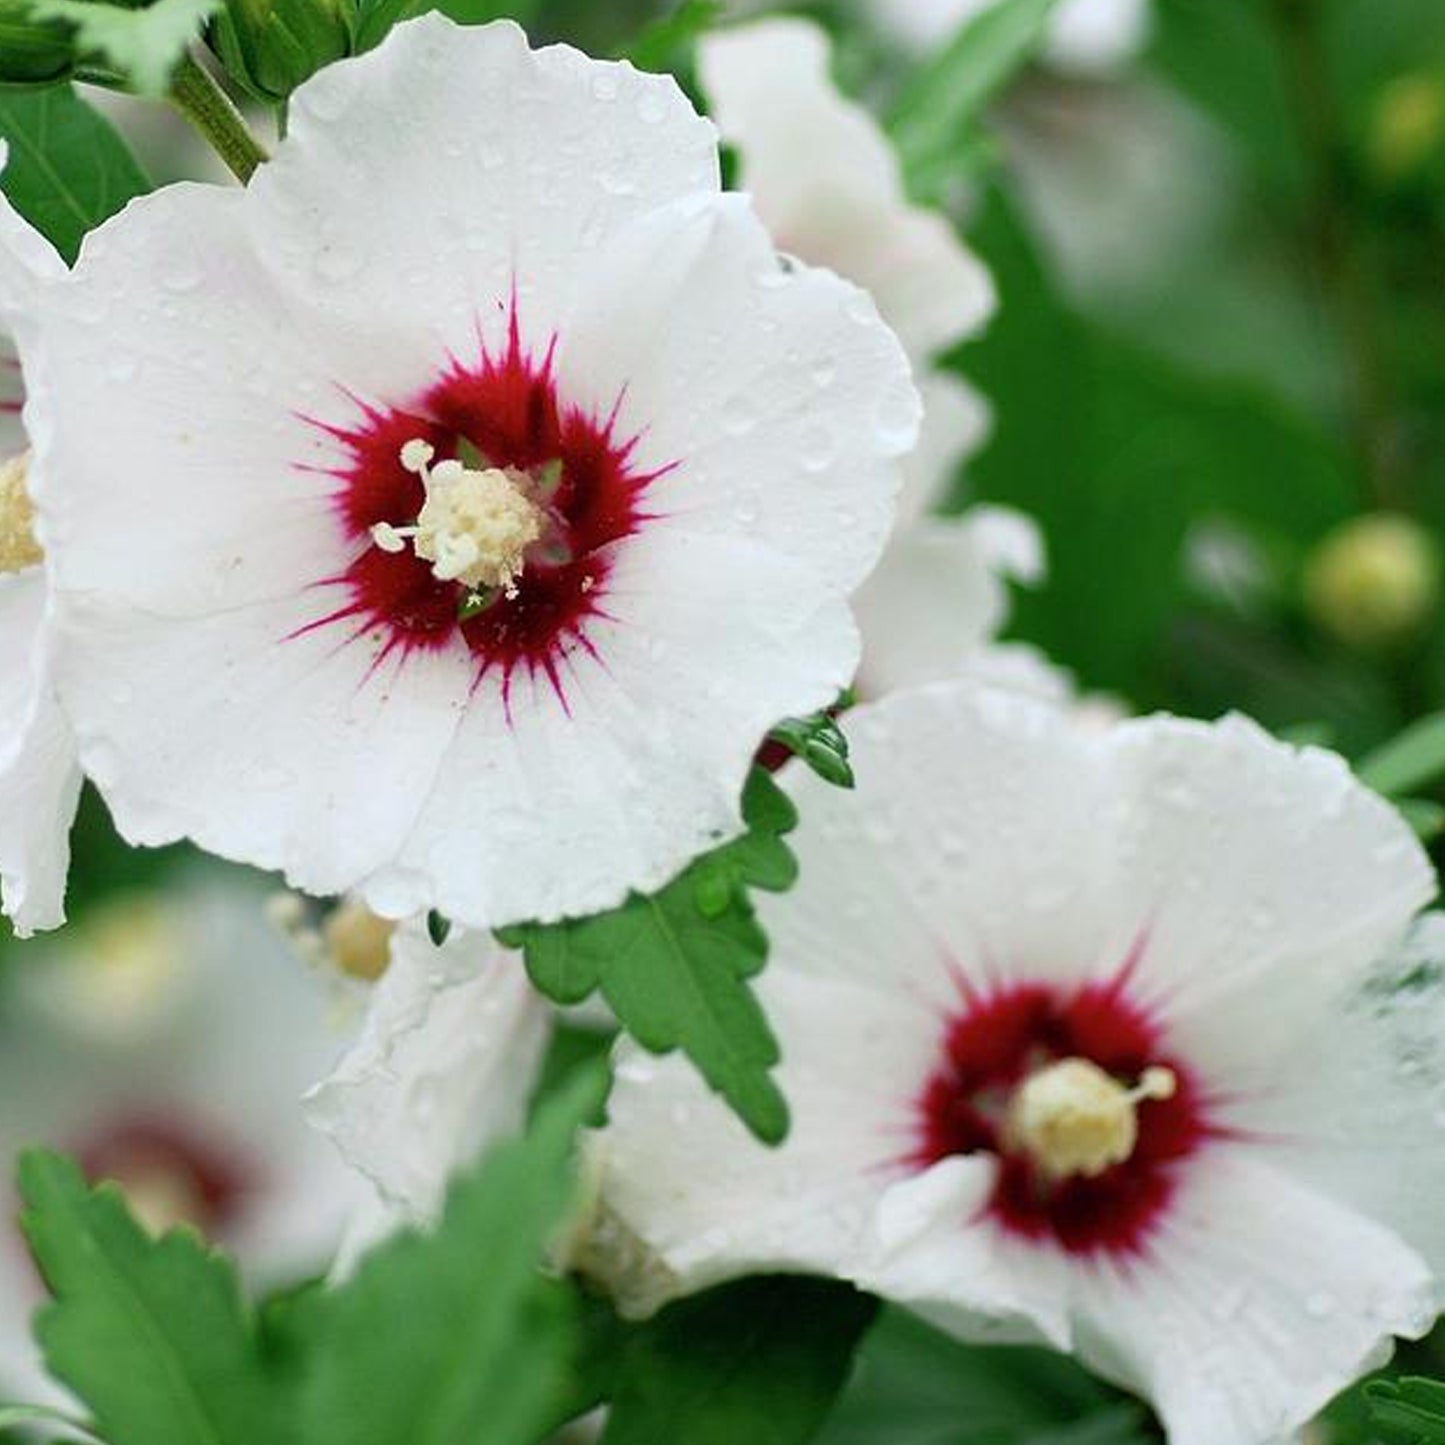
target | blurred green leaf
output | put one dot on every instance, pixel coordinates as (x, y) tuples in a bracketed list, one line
[(1409, 1411), (374, 18), (144, 43), (937, 111), (1410, 761), (666, 43), (1117, 454), (913, 1385), (68, 170), (759, 1362), (457, 1335), (674, 965), (150, 1334)]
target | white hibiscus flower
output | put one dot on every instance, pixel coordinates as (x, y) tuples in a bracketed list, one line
[(447, 515), (39, 779), (165, 1041), (1085, 1043), (1085, 37), (827, 184)]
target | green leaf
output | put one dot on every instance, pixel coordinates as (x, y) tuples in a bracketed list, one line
[(68, 170), (760, 1361), (664, 44), (913, 1385), (374, 18), (819, 741), (151, 1334), (1408, 1411), (438, 927), (457, 1335), (938, 111), (1424, 815), (1407, 762), (674, 965), (1117, 454), (143, 44)]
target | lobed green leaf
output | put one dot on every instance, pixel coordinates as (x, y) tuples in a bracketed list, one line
[(151, 1334), (68, 168), (674, 965)]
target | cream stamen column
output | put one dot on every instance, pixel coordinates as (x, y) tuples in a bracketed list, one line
[(475, 525), (1073, 1118)]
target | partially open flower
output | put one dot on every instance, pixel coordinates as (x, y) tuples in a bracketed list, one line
[(39, 779), (827, 184), (448, 515), (448, 1057), (1086, 1042)]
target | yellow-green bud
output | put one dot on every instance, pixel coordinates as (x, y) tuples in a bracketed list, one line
[(1374, 582), (271, 46), (33, 52), (1408, 131)]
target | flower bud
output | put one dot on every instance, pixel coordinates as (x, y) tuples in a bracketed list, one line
[(1408, 129), (32, 52), (1374, 582), (271, 46)]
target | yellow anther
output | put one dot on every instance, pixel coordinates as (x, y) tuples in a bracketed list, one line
[(357, 942), (18, 547)]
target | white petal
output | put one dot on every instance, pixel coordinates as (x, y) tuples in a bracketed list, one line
[(938, 596), (828, 185), (1356, 1105), (956, 421), (991, 835), (714, 639), (1091, 36), (452, 1045), (1258, 1303), (39, 778), (931, 1252), (707, 1202), (778, 398), (500, 167)]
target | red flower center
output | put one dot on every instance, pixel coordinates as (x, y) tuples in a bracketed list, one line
[(1005, 1037), (170, 1172), (502, 412)]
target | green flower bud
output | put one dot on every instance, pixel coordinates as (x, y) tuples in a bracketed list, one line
[(32, 52), (271, 46), (1374, 582)]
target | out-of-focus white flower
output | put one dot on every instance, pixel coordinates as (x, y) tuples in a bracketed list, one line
[(1085, 1042), (447, 1059), (828, 186), (165, 1041), (1085, 36), (448, 515), (39, 779)]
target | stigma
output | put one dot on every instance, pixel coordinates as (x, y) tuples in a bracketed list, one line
[(18, 547), (475, 525), (1072, 1118)]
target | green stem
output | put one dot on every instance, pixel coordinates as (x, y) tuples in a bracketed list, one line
[(1336, 240), (210, 110)]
